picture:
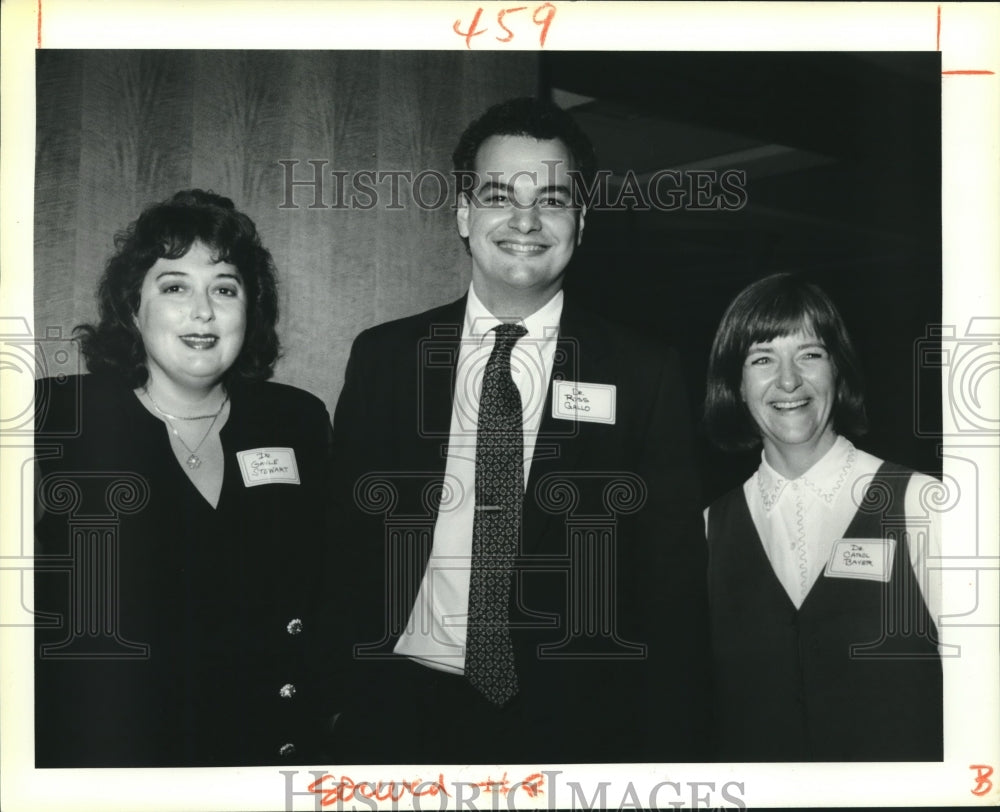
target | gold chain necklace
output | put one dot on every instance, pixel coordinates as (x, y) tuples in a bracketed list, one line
[(193, 461)]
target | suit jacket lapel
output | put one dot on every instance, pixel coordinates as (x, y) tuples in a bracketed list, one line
[(435, 357), (422, 417), (578, 357)]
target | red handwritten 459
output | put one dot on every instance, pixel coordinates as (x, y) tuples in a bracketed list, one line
[(541, 16)]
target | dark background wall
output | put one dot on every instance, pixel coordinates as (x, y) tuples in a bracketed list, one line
[(841, 153), (843, 183)]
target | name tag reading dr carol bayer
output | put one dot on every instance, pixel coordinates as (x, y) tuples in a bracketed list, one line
[(265, 466), (867, 559)]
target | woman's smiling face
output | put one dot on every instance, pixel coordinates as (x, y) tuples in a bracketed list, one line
[(192, 317), (790, 386)]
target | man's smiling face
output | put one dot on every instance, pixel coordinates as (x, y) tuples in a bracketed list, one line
[(521, 224)]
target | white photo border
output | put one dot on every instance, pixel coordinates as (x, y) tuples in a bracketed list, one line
[(968, 36)]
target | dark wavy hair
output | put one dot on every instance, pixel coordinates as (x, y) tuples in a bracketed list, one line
[(772, 307), (527, 116), (167, 230)]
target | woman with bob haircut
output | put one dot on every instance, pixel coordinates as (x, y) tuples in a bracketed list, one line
[(173, 632), (823, 615)]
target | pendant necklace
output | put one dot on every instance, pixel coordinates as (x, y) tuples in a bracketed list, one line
[(193, 461)]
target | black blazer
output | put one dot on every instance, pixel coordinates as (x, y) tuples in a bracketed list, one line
[(166, 629), (610, 518)]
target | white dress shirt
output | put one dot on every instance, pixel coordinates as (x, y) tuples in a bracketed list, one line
[(799, 520), (436, 631)]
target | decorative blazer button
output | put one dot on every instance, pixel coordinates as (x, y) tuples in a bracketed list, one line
[(287, 691), (294, 626), (286, 749)]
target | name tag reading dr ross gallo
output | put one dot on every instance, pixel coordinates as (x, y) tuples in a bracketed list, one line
[(593, 402), (867, 559), (263, 466)]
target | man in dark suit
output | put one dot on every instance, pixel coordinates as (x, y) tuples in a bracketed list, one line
[(528, 589)]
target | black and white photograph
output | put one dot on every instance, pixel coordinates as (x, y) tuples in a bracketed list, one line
[(515, 418)]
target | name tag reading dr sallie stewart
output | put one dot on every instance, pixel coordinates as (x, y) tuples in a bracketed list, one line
[(264, 466), (867, 559)]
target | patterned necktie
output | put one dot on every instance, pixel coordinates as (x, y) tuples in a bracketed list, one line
[(489, 653)]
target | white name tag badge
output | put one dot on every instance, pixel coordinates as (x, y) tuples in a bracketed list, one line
[(867, 559), (264, 466), (592, 402)]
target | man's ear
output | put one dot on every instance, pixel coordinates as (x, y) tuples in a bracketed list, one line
[(462, 215), (579, 224)]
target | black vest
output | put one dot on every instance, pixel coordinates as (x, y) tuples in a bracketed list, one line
[(852, 675)]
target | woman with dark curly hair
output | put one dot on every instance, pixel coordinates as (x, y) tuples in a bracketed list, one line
[(176, 636), (823, 611)]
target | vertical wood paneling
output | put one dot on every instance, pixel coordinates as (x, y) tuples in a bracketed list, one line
[(327, 257), (57, 178), (238, 119), (118, 130), (423, 267), (134, 149)]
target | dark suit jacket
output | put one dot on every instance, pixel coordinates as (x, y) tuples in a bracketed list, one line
[(609, 597)]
